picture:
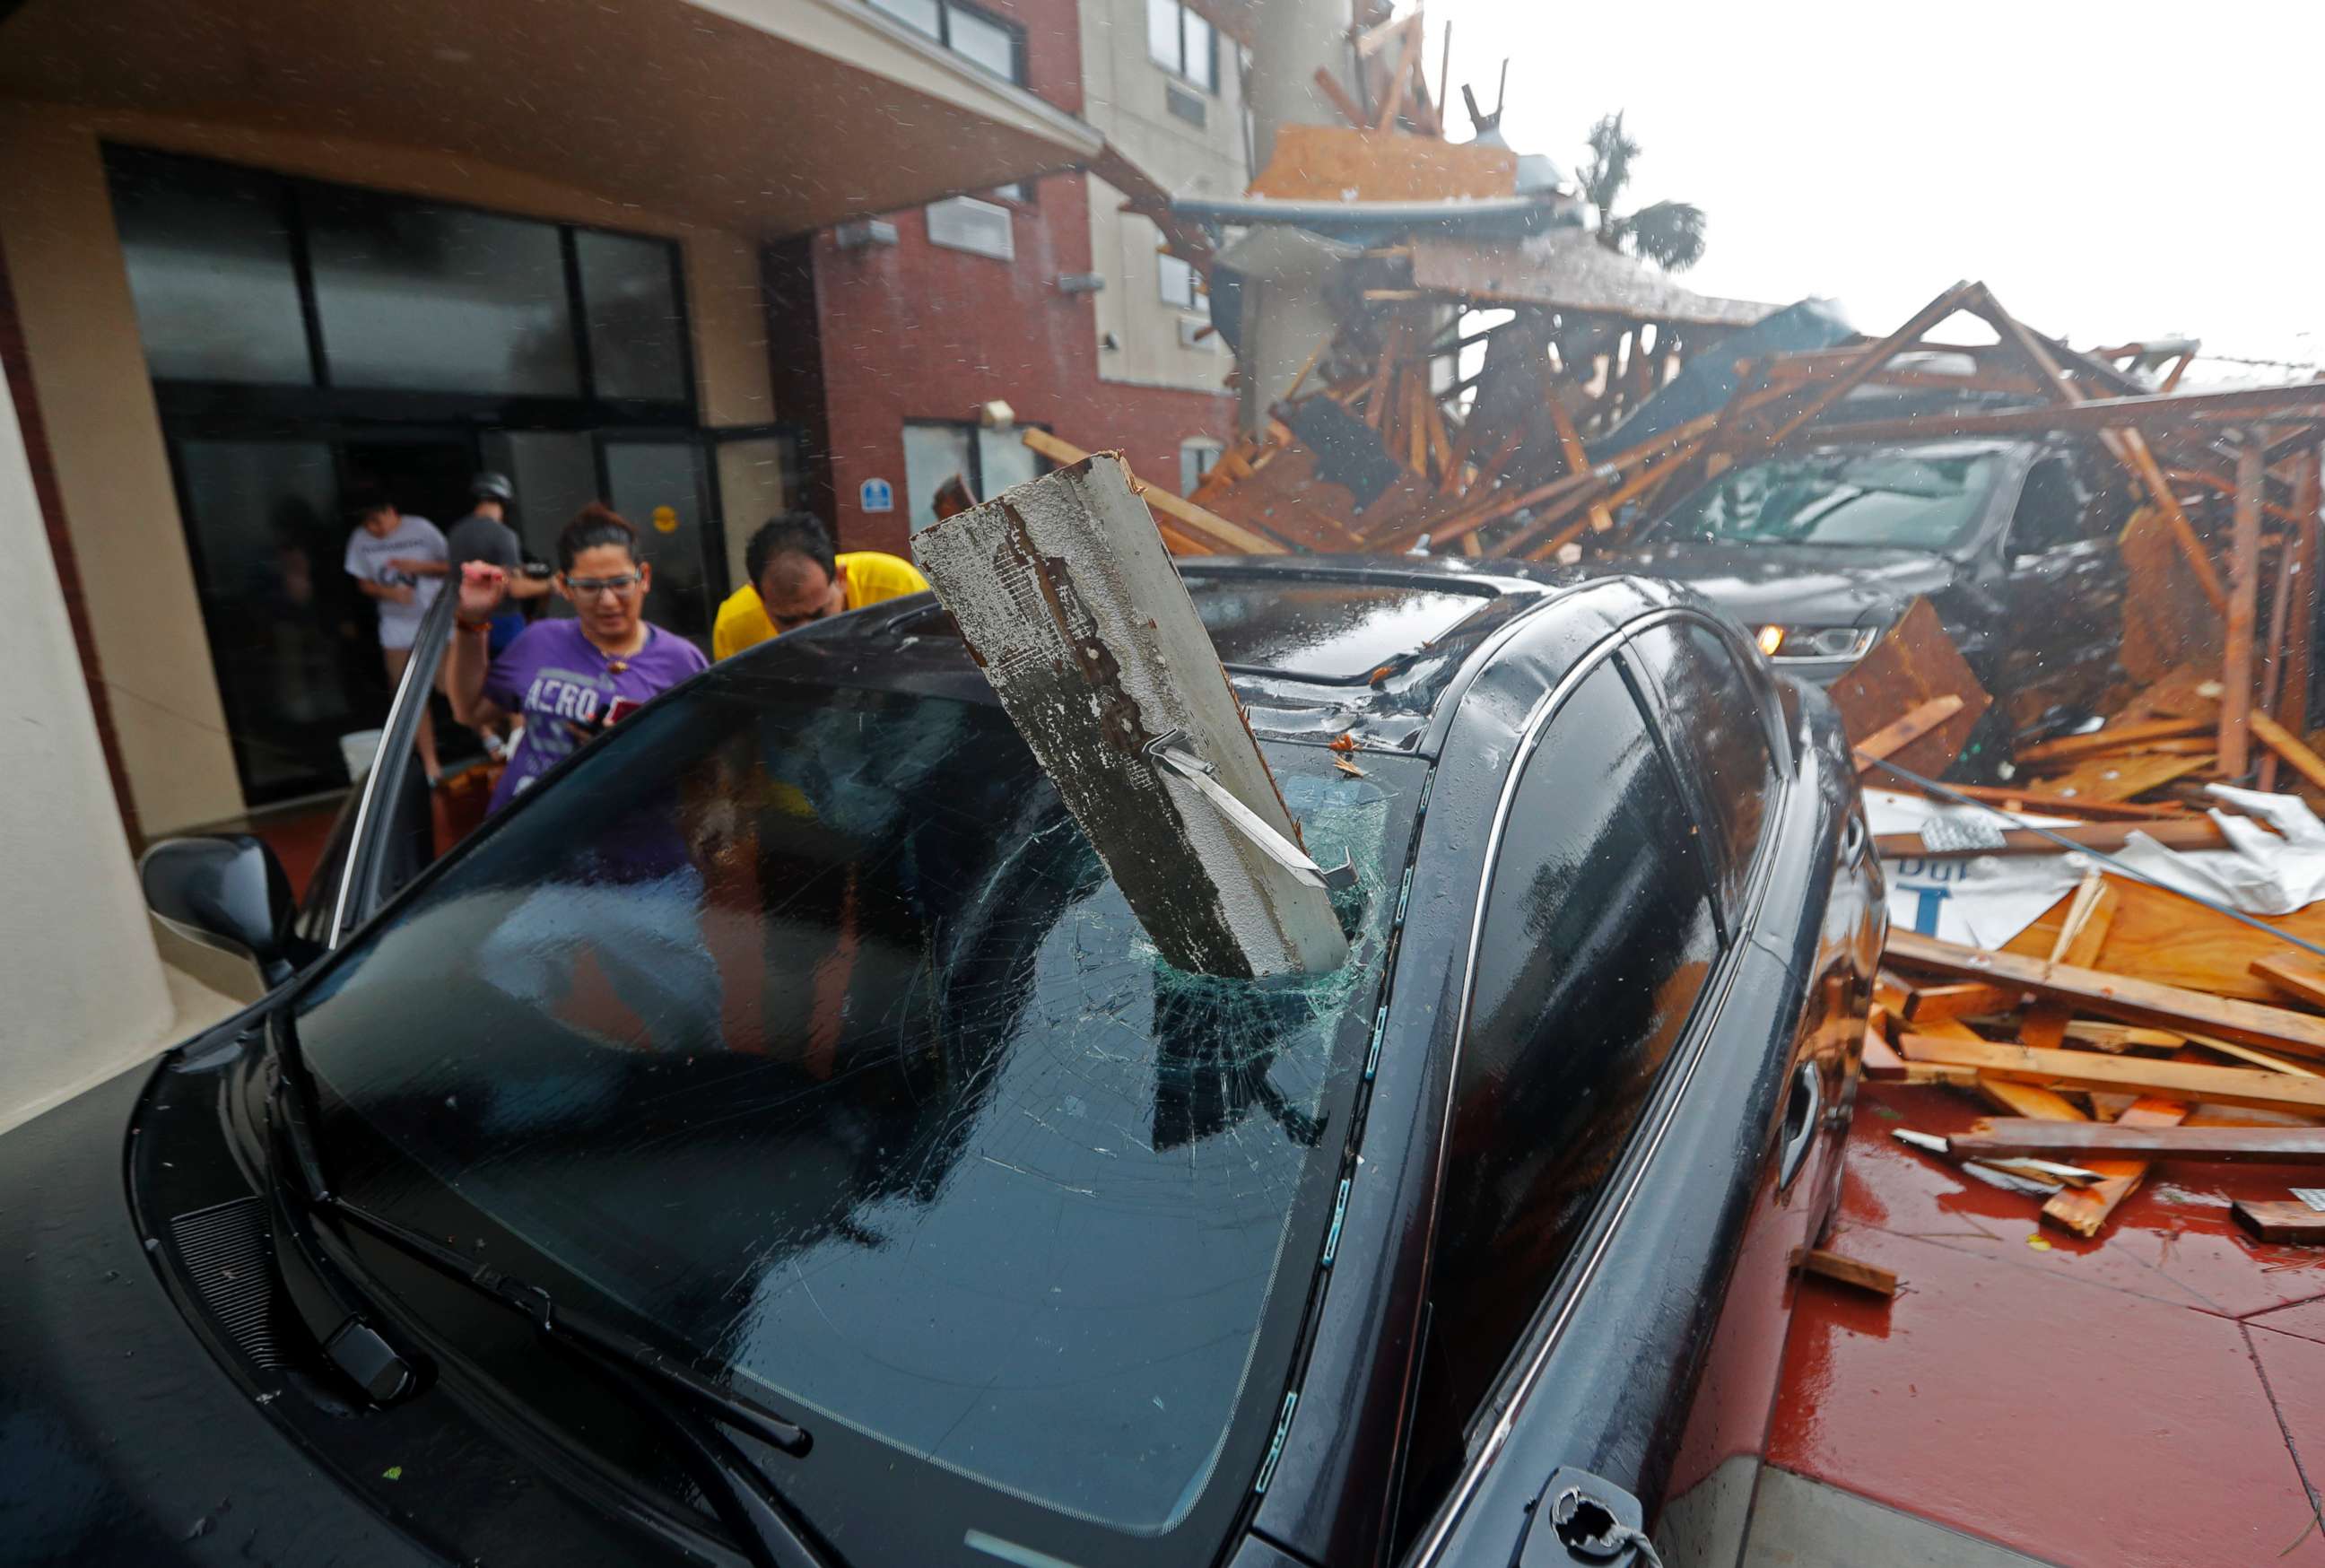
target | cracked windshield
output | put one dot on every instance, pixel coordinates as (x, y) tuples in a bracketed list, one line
[(1181, 783)]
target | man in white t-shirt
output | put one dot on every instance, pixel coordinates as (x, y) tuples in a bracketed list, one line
[(380, 553)]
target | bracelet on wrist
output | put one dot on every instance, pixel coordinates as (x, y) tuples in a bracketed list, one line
[(468, 626)]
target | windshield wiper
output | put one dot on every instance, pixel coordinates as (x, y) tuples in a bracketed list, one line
[(779, 1536), (753, 1507)]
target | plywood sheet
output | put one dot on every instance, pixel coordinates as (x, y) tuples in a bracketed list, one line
[(1340, 163), (1915, 663), (2161, 937)]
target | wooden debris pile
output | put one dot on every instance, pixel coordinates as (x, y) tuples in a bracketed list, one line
[(2127, 1026)]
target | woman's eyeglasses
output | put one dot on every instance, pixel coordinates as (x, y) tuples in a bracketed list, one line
[(580, 585)]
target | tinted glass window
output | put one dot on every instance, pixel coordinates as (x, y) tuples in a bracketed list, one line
[(629, 289), (811, 1029), (1923, 500), (1598, 938), (440, 298), (208, 254), (1718, 733)]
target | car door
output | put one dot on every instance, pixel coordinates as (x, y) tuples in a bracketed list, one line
[(1725, 724), (385, 832), (2062, 587), (1596, 939)]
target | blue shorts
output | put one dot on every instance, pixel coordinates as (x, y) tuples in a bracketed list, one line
[(505, 627)]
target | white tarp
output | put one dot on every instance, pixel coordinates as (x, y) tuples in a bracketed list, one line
[(1985, 900)]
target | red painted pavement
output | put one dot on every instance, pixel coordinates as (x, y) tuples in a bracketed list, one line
[(2153, 1398)]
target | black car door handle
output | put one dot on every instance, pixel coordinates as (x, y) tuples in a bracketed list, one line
[(1802, 1117)]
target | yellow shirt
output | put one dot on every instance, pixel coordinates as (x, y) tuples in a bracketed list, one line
[(865, 577)]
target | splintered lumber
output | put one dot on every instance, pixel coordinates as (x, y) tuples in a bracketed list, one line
[(2302, 977), (2071, 1141), (2114, 737), (2040, 802), (1915, 664), (2090, 1070), (1872, 357), (2281, 1221), (2288, 745), (2244, 601), (2194, 833), (2079, 942), (1896, 735), (2285, 404), (2085, 1210), (1209, 527), (2115, 996), (2161, 937), (1961, 999), (2128, 446), (1070, 604), (2119, 778), (1866, 1276), (1880, 1057), (2253, 1054)]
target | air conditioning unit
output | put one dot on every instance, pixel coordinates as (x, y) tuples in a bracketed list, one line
[(859, 233), (980, 228)]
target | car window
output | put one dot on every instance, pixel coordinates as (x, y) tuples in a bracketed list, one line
[(1902, 497), (1596, 939), (1719, 735), (805, 1025), (2051, 510)]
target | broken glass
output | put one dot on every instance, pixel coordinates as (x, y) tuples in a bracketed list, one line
[(810, 1028)]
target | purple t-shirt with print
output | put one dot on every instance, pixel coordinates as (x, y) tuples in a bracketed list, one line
[(559, 681)]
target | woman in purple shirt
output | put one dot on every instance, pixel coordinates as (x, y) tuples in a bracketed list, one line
[(567, 680)]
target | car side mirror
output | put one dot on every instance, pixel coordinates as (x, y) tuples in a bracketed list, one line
[(226, 888)]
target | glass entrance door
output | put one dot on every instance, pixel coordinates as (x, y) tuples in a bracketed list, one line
[(660, 486), (286, 626)]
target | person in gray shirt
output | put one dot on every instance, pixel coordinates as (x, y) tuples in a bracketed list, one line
[(485, 535)]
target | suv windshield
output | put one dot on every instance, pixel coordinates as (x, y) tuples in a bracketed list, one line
[(1901, 498), (805, 1025)]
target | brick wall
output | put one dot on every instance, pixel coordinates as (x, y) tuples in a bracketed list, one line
[(16, 364), (913, 330)]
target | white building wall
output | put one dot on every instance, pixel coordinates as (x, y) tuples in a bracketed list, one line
[(1126, 96), (83, 992)]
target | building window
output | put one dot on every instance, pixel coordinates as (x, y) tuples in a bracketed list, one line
[(988, 461), (1196, 458), (1178, 282), (979, 39), (979, 227), (258, 279), (1183, 44)]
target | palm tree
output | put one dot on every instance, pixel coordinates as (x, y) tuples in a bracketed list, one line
[(1667, 233)]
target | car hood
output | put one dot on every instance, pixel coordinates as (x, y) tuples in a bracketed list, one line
[(1796, 584), (121, 1441)]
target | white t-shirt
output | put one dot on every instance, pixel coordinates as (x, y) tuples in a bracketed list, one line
[(368, 554)]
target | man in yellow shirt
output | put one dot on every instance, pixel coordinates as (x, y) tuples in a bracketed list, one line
[(796, 579)]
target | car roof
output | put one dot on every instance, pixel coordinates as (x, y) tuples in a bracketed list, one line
[(1315, 647)]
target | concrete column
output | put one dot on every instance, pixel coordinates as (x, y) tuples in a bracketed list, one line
[(1290, 39), (84, 989)]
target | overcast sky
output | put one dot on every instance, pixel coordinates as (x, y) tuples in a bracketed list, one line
[(2113, 170)]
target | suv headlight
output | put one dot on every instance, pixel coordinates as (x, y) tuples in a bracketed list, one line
[(1816, 641)]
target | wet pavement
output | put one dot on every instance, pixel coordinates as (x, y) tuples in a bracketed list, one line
[(2155, 1396)]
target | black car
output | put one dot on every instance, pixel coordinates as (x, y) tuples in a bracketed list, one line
[(773, 1140), (1819, 552)]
